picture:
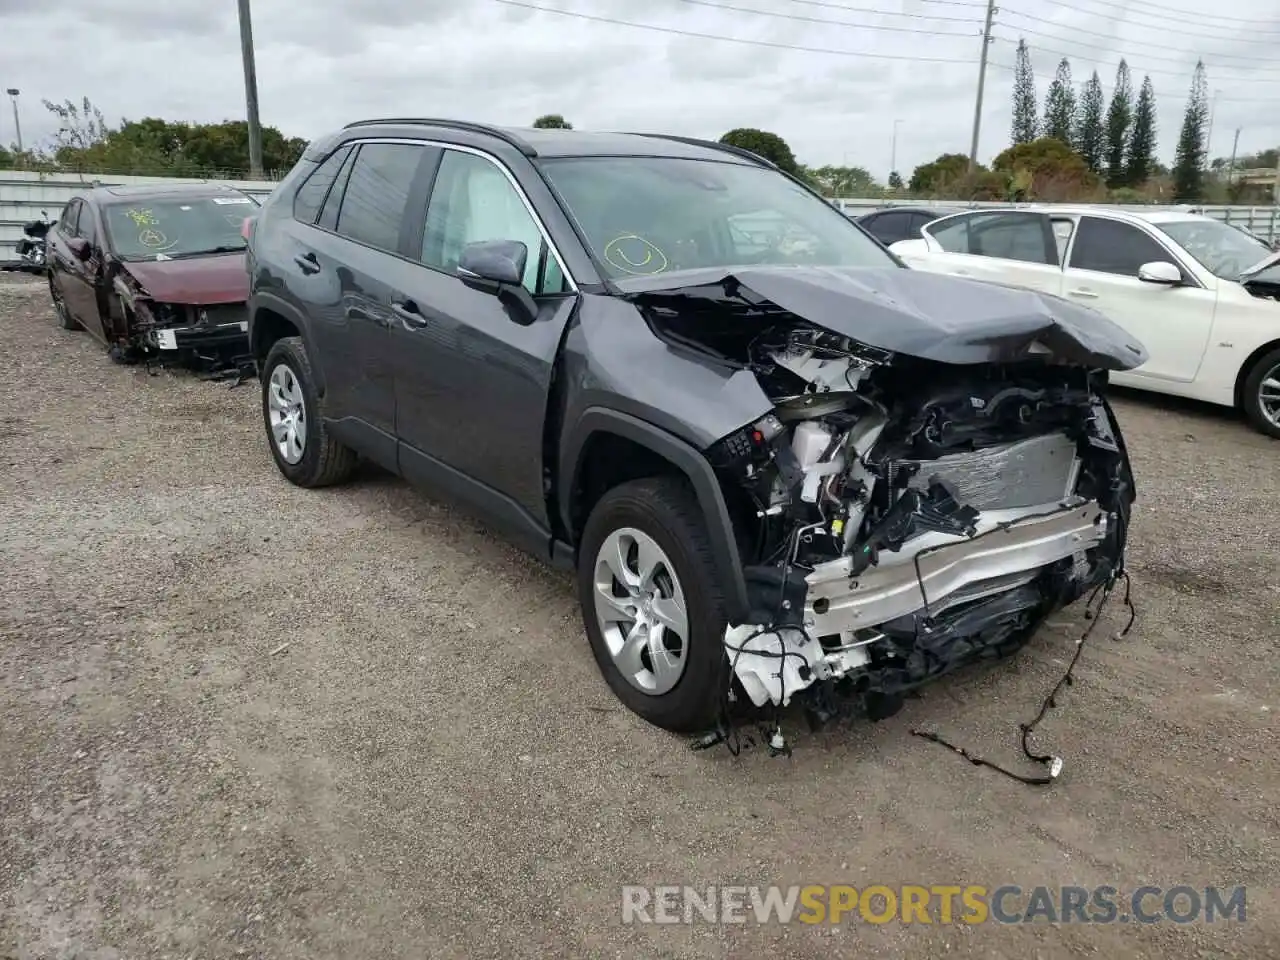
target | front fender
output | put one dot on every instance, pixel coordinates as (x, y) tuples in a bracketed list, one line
[(689, 461)]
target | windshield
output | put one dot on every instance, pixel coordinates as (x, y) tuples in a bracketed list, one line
[(177, 227), (649, 215), (1221, 249)]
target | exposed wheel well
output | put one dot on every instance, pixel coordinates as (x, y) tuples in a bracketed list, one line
[(268, 327), (1248, 366), (608, 460)]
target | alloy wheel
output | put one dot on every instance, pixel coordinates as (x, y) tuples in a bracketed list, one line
[(287, 412), (1269, 396), (641, 610)]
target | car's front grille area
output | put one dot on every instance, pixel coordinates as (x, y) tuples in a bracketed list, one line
[(1023, 474), (221, 313)]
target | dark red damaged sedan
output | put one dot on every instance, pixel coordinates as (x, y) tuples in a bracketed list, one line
[(154, 270)]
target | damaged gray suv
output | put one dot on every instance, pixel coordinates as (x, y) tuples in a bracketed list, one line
[(784, 467)]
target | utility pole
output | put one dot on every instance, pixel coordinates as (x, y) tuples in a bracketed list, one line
[(1231, 167), (17, 124), (250, 91), (893, 151), (982, 82)]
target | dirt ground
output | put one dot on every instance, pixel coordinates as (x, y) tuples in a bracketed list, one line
[(433, 767)]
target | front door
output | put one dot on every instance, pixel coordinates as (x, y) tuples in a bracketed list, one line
[(1172, 322), (473, 373)]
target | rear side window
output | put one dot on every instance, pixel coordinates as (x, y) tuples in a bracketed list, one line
[(329, 212), (310, 196), (373, 205), (891, 227), (1007, 236), (1110, 246)]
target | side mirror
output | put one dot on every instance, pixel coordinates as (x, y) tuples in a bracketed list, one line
[(1161, 272), (497, 267), (79, 248)]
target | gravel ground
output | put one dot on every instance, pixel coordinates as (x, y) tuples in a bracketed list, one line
[(433, 766)]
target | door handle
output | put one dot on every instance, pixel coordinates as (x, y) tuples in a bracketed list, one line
[(307, 262), (408, 313), (1083, 293)]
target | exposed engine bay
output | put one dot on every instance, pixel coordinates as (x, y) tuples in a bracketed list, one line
[(902, 516)]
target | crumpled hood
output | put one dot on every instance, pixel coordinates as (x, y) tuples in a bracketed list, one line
[(928, 315), (218, 278)]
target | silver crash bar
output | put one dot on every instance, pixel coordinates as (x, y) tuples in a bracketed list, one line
[(933, 566)]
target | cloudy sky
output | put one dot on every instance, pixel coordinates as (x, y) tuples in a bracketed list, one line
[(830, 76)]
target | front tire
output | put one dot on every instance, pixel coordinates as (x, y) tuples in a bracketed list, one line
[(1261, 394), (300, 444), (652, 604), (65, 320)]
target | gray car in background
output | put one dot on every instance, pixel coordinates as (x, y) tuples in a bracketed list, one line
[(783, 466)]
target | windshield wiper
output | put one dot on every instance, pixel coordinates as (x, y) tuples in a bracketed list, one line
[(197, 253)]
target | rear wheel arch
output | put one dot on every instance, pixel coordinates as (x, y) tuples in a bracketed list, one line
[(272, 321), (606, 448)]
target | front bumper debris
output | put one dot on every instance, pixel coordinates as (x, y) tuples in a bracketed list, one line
[(201, 337)]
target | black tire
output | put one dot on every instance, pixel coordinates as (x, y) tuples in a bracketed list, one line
[(324, 461), (65, 320), (665, 509), (1249, 398)]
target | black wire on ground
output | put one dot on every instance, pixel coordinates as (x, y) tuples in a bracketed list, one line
[(1053, 763)]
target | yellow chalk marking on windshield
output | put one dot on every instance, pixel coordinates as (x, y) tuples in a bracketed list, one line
[(142, 218), (617, 256)]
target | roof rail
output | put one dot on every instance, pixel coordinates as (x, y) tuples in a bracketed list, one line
[(712, 145), (504, 135)]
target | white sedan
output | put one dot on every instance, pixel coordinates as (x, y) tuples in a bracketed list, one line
[(1201, 296)]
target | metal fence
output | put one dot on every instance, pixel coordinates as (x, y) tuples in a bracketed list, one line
[(1263, 221), (26, 195)]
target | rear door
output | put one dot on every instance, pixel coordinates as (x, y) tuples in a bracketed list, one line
[(1016, 247), (347, 258), (1172, 322)]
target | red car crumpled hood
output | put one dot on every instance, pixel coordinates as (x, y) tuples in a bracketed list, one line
[(219, 278)]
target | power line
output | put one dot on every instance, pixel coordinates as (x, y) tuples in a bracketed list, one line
[(1159, 96), (713, 36), (1162, 20), (827, 4), (1112, 38), (1248, 23), (1209, 60), (829, 23), (1197, 35), (1167, 73)]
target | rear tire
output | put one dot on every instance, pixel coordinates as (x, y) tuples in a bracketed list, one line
[(1263, 413), (663, 513), (319, 460), (65, 320)]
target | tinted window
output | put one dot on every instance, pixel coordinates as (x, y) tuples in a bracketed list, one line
[(307, 201), (918, 220), (1008, 236), (648, 215), (890, 227), (68, 219), (84, 226), (373, 205), (473, 201), (329, 212), (1110, 246)]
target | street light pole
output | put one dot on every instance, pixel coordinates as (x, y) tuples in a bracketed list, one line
[(250, 91), (893, 151), (17, 124)]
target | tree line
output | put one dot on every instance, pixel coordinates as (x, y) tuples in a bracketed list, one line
[(86, 143)]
